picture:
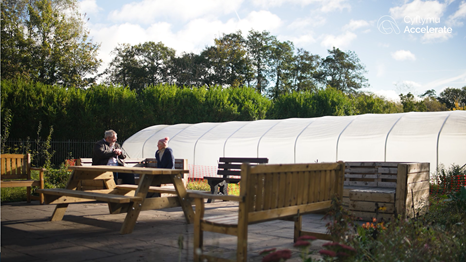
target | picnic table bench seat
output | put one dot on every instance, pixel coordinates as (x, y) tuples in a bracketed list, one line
[(229, 171), (97, 195), (156, 189)]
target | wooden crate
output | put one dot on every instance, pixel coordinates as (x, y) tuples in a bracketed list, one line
[(384, 190)]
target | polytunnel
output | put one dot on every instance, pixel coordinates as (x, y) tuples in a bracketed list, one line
[(435, 137)]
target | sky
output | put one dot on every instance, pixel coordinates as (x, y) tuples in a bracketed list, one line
[(405, 46)]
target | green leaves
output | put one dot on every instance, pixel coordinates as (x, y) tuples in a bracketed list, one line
[(324, 102), (86, 113), (46, 41)]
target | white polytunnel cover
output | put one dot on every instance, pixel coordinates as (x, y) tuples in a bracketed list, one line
[(435, 137)]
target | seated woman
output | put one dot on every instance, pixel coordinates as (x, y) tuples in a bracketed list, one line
[(164, 156)]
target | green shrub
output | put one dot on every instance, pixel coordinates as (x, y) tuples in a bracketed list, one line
[(57, 178)]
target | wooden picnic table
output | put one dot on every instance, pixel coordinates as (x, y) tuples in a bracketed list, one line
[(120, 200)]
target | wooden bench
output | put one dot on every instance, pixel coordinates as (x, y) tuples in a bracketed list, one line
[(270, 192), (229, 171), (16, 172), (384, 190), (98, 196), (157, 189)]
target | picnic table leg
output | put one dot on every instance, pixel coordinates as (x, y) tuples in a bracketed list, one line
[(59, 212), (60, 209), (183, 198), (136, 206)]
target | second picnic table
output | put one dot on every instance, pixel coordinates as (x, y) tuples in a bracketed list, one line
[(122, 198)]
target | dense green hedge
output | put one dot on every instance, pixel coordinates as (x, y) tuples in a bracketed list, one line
[(86, 113)]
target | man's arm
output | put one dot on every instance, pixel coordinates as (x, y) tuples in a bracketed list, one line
[(101, 150), (123, 152)]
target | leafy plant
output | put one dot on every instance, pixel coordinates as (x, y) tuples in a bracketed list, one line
[(198, 185), (341, 223)]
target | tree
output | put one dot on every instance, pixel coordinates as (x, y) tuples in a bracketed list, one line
[(452, 96), (304, 69), (411, 105), (429, 93), (368, 103), (342, 71), (227, 62), (141, 65), (432, 104), (45, 40), (189, 70), (259, 54), (281, 67)]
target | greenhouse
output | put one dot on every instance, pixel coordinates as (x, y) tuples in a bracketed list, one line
[(435, 137)]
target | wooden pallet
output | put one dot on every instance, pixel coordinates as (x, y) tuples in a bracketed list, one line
[(384, 190)]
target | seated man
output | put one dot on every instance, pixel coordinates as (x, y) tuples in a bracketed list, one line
[(108, 152)]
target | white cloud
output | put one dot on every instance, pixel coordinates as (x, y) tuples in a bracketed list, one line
[(407, 86), (411, 12), (325, 5), (390, 95), (149, 11), (110, 37), (306, 23), (259, 21), (453, 20), (461, 79), (340, 41), (436, 37), (383, 45), (381, 69), (355, 24), (88, 7), (331, 5), (410, 84), (302, 40), (194, 35), (402, 55)]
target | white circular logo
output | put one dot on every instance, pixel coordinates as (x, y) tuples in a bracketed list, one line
[(387, 25)]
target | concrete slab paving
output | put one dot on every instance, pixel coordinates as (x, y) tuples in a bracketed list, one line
[(89, 233)]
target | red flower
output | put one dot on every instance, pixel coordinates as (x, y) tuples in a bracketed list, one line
[(285, 253), (277, 256), (301, 243), (330, 244), (347, 247), (307, 238), (328, 253), (266, 251)]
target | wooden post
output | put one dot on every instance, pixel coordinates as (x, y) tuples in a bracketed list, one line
[(400, 195), (298, 227), (198, 233), (242, 241)]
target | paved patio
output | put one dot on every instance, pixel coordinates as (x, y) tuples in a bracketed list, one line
[(89, 233)]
